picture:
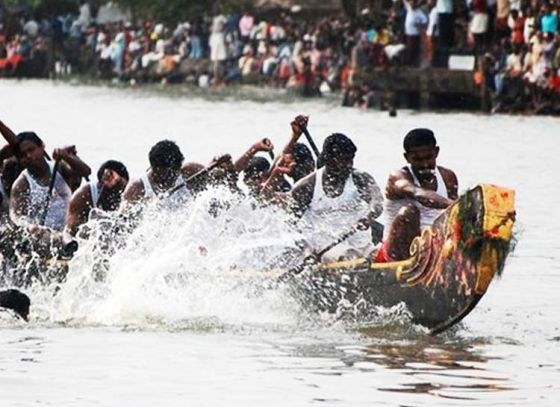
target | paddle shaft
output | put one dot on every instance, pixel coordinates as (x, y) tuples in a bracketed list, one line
[(317, 256), (196, 175), (48, 198), (311, 143)]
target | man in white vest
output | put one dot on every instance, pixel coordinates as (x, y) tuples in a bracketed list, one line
[(30, 203), (335, 199), (104, 194), (415, 194)]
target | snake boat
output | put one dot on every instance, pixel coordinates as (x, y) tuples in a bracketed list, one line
[(450, 268)]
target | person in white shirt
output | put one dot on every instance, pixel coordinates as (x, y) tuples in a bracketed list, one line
[(414, 24)]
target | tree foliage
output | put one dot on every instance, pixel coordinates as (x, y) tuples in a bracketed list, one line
[(177, 10), (41, 7)]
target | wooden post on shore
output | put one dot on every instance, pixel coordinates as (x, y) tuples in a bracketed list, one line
[(424, 91), (485, 102)]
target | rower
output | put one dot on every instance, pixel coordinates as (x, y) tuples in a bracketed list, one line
[(415, 194), (255, 174), (29, 202), (295, 163), (163, 176), (335, 198), (304, 164), (105, 194)]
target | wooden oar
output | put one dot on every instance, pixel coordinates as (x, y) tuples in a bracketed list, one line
[(312, 144), (200, 173), (316, 257), (48, 199)]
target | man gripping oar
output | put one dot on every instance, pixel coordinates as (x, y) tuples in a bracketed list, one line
[(334, 198), (40, 196), (104, 194)]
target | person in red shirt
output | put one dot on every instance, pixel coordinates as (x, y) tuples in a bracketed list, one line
[(517, 29)]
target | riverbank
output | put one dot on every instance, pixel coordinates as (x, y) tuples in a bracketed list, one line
[(371, 66)]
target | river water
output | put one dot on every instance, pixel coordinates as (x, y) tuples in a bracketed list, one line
[(144, 341)]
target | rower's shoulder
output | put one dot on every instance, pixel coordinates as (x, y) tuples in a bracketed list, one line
[(399, 174), (303, 189), (20, 184), (362, 177), (81, 198), (306, 182), (134, 191), (447, 173), (82, 193)]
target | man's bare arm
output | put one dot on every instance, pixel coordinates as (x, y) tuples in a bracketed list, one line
[(400, 187), (8, 134), (264, 145), (133, 193), (370, 192), (302, 194), (78, 210), (298, 124), (451, 182), (6, 152), (284, 165), (19, 202), (72, 167), (70, 157)]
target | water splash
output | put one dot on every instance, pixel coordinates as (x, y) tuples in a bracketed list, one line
[(208, 263), (180, 263)]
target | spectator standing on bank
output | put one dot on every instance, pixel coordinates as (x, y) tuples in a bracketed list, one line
[(246, 23), (414, 24), (479, 25), (446, 30), (218, 50), (549, 20)]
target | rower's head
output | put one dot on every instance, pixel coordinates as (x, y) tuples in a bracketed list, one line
[(224, 175), (421, 151), (29, 149), (166, 160), (304, 162), (255, 173), (16, 301), (338, 155), (113, 175)]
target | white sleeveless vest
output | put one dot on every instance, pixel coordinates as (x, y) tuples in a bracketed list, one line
[(150, 193), (327, 218), (58, 203), (427, 215), (94, 191)]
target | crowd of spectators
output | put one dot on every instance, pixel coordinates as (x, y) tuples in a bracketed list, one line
[(516, 44)]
